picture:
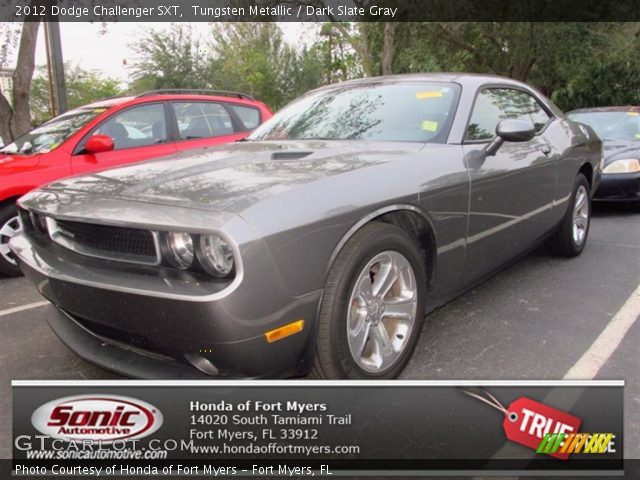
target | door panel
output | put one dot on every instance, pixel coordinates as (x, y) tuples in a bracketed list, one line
[(138, 133), (512, 192)]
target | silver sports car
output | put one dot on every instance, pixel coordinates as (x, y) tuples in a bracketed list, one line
[(319, 243)]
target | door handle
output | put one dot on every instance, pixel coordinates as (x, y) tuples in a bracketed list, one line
[(546, 149)]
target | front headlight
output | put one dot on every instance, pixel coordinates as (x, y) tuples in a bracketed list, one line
[(215, 255), (179, 250), (630, 165)]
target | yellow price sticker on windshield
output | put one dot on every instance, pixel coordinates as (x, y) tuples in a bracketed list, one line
[(430, 94), (429, 126), (633, 114)]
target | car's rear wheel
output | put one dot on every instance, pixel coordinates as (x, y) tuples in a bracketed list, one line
[(373, 306), (571, 236), (9, 227)]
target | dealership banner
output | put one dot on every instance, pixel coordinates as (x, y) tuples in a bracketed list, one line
[(320, 11), (308, 428)]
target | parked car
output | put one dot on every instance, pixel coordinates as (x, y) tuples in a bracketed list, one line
[(114, 132), (619, 129), (318, 244)]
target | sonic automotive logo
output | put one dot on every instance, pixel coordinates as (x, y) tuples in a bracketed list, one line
[(103, 418)]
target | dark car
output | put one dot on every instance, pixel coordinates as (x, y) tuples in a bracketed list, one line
[(113, 132), (619, 129), (320, 242)]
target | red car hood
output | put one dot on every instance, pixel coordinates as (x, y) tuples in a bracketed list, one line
[(16, 163)]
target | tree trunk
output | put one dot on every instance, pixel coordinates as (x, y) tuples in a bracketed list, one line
[(21, 118), (15, 118), (389, 47), (5, 120), (360, 46)]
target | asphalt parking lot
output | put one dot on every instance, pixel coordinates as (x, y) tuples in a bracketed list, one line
[(534, 320)]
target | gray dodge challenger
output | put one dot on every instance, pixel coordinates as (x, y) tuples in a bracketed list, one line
[(317, 245)]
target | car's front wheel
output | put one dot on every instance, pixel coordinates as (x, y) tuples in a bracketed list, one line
[(9, 227), (373, 306)]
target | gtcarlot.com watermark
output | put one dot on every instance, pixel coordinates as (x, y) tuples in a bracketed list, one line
[(43, 447)]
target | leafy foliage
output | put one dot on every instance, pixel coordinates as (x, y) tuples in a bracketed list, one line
[(576, 64), (170, 59), (83, 87)]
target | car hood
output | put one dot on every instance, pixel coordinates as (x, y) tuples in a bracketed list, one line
[(619, 149), (235, 176), (10, 163)]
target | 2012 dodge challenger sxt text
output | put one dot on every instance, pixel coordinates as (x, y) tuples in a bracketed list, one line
[(318, 244)]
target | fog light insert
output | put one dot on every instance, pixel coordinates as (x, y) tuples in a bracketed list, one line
[(284, 331), (179, 251), (215, 255)]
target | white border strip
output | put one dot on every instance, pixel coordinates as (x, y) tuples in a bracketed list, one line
[(318, 383)]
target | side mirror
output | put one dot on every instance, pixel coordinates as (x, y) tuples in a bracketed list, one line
[(511, 130), (98, 144)]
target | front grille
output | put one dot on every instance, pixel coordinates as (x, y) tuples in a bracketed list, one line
[(105, 241)]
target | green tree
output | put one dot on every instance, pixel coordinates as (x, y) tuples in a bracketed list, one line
[(340, 57), (611, 78), (574, 63), (248, 57), (170, 59), (83, 87), (254, 58)]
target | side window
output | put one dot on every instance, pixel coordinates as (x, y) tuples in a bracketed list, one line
[(202, 120), (249, 116), (496, 104), (136, 127)]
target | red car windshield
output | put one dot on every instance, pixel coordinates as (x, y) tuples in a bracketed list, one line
[(49, 135)]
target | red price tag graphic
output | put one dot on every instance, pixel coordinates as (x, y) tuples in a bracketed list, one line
[(526, 421)]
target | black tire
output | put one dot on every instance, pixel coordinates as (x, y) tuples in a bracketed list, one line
[(333, 358), (563, 242), (635, 206), (8, 215)]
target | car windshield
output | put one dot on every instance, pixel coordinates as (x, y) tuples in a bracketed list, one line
[(611, 125), (400, 112), (49, 135)]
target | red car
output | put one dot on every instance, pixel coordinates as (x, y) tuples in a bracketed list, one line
[(114, 132)]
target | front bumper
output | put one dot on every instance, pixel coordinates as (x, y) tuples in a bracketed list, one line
[(619, 187), (143, 336)]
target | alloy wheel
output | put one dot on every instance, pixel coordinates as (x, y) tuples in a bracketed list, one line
[(7, 231), (580, 215), (382, 311)]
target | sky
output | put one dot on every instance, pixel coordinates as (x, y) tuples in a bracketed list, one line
[(85, 43)]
